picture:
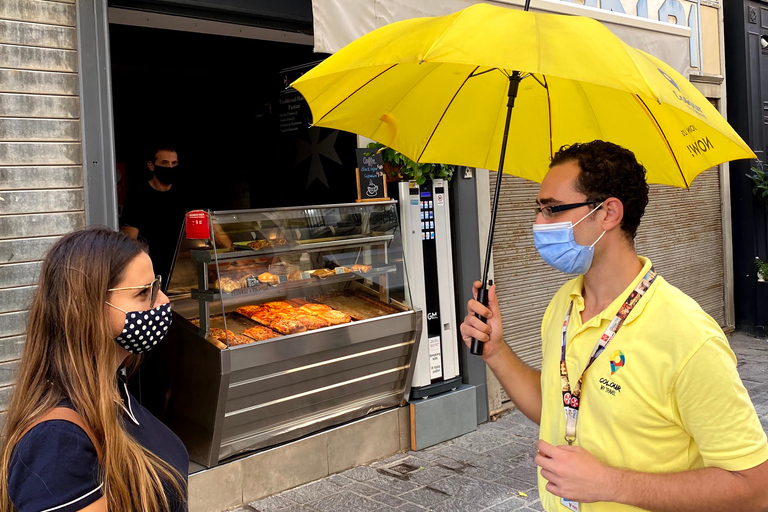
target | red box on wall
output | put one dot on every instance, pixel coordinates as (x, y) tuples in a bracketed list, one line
[(198, 226)]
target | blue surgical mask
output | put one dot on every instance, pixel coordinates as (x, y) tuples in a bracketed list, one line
[(558, 247)]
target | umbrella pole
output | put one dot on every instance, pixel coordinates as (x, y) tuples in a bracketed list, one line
[(476, 347)]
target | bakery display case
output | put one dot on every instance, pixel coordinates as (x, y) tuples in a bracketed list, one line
[(286, 321)]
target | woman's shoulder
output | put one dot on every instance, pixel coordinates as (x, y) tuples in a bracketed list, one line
[(54, 467)]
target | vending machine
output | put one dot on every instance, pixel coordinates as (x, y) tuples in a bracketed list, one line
[(427, 250)]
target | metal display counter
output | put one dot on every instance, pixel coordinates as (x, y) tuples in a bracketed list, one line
[(224, 394)]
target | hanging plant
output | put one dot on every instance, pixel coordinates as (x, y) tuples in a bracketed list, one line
[(398, 166)]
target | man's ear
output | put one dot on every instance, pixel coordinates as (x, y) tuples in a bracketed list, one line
[(614, 213), (150, 166)]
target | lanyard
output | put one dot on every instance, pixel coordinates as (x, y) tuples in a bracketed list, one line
[(571, 400)]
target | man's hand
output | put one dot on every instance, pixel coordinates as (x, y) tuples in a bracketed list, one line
[(490, 333), (575, 474)]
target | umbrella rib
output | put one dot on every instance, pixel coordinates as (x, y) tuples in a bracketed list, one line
[(354, 92), (663, 136), (549, 112), (473, 75), (444, 112)]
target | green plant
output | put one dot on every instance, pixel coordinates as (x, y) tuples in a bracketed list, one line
[(762, 268), (413, 170), (760, 179)]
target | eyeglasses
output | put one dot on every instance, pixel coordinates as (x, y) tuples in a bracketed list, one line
[(549, 211), (153, 287)]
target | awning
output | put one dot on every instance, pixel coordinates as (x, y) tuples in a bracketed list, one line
[(339, 22)]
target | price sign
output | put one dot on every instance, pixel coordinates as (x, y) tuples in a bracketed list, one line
[(198, 226), (371, 182)]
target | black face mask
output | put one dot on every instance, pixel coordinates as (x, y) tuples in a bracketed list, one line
[(166, 175)]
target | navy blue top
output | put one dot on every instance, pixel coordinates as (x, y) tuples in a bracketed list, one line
[(54, 467)]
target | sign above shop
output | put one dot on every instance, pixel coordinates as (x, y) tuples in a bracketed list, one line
[(371, 183)]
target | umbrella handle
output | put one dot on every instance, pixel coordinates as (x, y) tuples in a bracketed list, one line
[(476, 347)]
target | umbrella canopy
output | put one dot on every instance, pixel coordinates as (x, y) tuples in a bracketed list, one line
[(436, 90)]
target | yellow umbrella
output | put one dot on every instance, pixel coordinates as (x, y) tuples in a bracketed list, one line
[(436, 89), (442, 90)]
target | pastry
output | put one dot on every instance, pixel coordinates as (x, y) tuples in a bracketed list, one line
[(311, 322), (268, 278), (288, 326), (361, 268), (258, 244), (260, 333), (267, 317), (227, 285), (323, 272), (315, 309), (336, 317)]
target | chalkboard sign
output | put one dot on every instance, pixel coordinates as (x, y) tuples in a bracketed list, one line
[(371, 181)]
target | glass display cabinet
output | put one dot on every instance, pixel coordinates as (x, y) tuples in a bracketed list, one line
[(286, 321)]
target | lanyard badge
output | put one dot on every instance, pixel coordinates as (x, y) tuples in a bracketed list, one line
[(571, 398)]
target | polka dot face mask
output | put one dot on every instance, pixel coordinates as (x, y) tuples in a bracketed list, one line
[(144, 329)]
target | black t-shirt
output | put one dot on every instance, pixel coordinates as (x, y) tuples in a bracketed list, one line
[(54, 467), (159, 217)]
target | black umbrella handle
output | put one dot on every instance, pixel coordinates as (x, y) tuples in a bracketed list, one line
[(476, 347)]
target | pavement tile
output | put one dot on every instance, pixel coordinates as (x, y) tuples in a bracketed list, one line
[(340, 480), (271, 504), (479, 473), (345, 501), (456, 505), (516, 485), (458, 454), (523, 473), (430, 474), (425, 497), (360, 473), (362, 489), (390, 460), (391, 485), (311, 492), (411, 507), (483, 494), (508, 505), (388, 500)]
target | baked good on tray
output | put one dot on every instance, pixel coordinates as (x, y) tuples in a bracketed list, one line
[(260, 333), (336, 317), (250, 310), (268, 278), (361, 268), (258, 244), (278, 305), (323, 272), (287, 326), (311, 322), (239, 340), (268, 317), (315, 309)]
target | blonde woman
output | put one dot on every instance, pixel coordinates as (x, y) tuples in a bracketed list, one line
[(74, 439)]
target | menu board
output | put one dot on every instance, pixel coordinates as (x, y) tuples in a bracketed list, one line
[(371, 181)]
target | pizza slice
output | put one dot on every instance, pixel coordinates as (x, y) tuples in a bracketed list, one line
[(239, 340), (311, 322), (336, 317), (288, 326), (250, 310), (315, 309), (278, 305), (260, 333)]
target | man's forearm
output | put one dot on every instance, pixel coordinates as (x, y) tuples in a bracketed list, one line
[(521, 382), (700, 490)]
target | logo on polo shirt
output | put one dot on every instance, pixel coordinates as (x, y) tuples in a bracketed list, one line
[(617, 361)]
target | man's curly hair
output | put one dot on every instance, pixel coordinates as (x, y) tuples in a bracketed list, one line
[(609, 170)]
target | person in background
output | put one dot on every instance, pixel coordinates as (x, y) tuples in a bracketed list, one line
[(74, 438), (154, 209), (639, 402)]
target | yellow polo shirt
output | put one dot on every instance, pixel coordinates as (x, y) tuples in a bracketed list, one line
[(672, 401)]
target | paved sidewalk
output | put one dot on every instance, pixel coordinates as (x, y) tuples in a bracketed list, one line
[(491, 469)]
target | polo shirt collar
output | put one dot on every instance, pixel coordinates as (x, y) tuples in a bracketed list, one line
[(608, 313)]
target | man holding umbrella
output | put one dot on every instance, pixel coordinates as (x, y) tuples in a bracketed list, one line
[(666, 424)]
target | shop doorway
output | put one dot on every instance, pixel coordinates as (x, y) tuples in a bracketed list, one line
[(217, 99)]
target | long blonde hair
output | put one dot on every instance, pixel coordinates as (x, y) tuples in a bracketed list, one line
[(70, 353)]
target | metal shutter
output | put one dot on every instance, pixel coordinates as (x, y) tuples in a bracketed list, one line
[(681, 232)]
